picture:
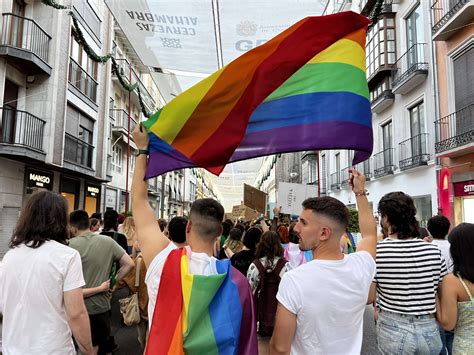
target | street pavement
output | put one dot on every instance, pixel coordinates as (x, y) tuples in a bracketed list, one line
[(126, 337)]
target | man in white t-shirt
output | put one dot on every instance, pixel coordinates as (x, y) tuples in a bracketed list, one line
[(202, 232), (322, 303), (438, 226)]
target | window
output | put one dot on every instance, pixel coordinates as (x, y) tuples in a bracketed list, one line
[(387, 144), (414, 27), (423, 209), (309, 169), (464, 79), (323, 172), (117, 157), (338, 162), (78, 54), (417, 119), (380, 47)]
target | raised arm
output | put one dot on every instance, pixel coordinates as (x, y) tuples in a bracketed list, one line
[(367, 224), (149, 235)]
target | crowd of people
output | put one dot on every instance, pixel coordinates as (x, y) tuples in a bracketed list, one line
[(201, 285)]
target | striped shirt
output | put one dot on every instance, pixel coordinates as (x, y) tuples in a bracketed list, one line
[(408, 274)]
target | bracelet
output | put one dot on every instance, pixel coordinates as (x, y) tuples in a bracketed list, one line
[(365, 192)]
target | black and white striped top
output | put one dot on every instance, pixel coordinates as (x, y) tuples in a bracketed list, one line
[(408, 274)]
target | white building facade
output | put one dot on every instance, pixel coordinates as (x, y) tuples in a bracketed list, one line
[(400, 76)]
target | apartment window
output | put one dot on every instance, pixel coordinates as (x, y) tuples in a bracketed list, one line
[(323, 172), (117, 157), (417, 119), (383, 86), (414, 27), (79, 55), (338, 162), (308, 167), (380, 48), (464, 79), (387, 135)]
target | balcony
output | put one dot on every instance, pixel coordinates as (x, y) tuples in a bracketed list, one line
[(383, 163), (335, 181), (411, 69), (78, 152), (124, 67), (382, 97), (414, 151), (455, 132), (345, 176), (367, 7), (365, 169), (82, 80), (25, 44), (449, 16), (21, 134), (120, 118)]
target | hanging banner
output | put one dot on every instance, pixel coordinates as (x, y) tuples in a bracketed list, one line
[(167, 34), (291, 196)]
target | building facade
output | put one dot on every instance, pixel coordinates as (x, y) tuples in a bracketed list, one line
[(453, 34), (400, 73), (53, 106)]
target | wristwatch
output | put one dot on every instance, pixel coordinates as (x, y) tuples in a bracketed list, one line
[(142, 151)]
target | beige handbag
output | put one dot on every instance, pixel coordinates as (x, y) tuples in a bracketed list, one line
[(129, 306)]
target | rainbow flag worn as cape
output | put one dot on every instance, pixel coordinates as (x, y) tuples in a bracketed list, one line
[(305, 89), (197, 314)]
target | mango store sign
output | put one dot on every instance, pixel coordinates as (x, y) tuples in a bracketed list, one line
[(39, 179), (464, 188)]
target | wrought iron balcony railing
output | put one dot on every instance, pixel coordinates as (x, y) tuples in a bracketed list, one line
[(413, 60), (120, 118), (455, 130), (82, 80), (383, 162), (77, 151), (444, 10), (414, 151), (21, 128), (124, 68), (24, 33)]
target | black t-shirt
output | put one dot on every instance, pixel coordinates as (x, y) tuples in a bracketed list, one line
[(242, 260)]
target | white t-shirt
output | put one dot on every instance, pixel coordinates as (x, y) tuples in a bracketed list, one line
[(32, 282), (328, 298), (199, 264), (444, 246)]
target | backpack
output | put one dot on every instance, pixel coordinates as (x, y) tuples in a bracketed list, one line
[(265, 295)]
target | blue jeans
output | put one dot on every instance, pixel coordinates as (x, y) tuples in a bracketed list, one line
[(447, 338), (407, 334)]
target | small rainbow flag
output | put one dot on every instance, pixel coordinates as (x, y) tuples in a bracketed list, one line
[(305, 89), (197, 314)]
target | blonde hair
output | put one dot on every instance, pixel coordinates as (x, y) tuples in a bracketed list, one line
[(128, 228)]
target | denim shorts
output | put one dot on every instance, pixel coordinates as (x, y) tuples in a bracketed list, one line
[(407, 334)]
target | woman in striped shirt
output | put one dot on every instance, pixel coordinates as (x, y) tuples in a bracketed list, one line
[(409, 271)]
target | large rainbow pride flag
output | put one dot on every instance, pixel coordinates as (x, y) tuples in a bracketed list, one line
[(305, 89), (197, 314)]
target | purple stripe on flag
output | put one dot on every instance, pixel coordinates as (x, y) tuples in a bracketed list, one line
[(316, 135)]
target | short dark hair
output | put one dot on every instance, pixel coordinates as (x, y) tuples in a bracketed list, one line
[(226, 227), (110, 220), (461, 239), (206, 216), (329, 207), (79, 219), (43, 218), (97, 215), (400, 211), (269, 246), (177, 229), (235, 234), (251, 238), (438, 227)]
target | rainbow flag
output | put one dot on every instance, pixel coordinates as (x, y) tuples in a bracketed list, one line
[(196, 314), (305, 89)]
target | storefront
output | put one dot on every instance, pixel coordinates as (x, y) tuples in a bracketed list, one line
[(70, 189), (464, 201), (38, 180), (92, 198)]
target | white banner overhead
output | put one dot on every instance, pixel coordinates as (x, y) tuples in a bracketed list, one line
[(291, 196), (178, 34), (246, 24)]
